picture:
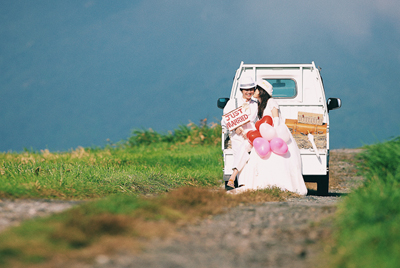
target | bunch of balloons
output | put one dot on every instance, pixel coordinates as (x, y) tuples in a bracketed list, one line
[(268, 138)]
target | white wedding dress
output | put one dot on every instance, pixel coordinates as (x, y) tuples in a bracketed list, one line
[(283, 171)]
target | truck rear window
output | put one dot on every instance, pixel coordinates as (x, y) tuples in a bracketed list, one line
[(283, 88)]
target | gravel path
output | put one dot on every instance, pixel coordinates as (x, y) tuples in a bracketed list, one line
[(276, 234), (273, 234), (12, 212)]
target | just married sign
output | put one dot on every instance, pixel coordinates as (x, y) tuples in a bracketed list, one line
[(236, 118)]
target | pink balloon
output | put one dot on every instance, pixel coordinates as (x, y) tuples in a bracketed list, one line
[(278, 146), (267, 131), (261, 146)]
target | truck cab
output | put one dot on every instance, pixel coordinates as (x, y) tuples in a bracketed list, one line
[(299, 91)]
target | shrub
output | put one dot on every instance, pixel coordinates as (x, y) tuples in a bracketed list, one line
[(367, 227), (202, 134)]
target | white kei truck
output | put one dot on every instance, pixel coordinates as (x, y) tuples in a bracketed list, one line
[(299, 91)]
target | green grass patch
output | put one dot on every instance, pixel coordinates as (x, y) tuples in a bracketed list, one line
[(367, 228), (148, 162), (93, 173)]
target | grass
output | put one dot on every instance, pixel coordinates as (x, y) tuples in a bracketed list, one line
[(94, 173), (143, 187), (367, 226)]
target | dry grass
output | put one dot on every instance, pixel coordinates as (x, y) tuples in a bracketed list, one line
[(303, 142)]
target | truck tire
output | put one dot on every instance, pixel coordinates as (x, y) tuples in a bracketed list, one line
[(323, 185)]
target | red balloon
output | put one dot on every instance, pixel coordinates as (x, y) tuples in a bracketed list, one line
[(252, 134), (266, 119)]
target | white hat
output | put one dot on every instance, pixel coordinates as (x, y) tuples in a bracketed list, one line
[(246, 81), (264, 84)]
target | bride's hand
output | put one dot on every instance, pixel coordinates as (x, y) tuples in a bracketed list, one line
[(240, 131)]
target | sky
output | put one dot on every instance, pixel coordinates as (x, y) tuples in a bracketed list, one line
[(86, 73)]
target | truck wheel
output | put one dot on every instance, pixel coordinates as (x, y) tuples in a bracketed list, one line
[(323, 185)]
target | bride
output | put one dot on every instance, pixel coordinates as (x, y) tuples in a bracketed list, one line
[(283, 171)]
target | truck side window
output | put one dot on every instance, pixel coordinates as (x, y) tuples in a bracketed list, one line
[(283, 88)]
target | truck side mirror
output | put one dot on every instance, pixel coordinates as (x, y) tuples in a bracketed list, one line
[(222, 102), (333, 103)]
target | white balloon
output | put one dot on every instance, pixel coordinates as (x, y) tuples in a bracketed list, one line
[(283, 133), (267, 131)]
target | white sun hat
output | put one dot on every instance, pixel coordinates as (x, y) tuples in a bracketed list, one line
[(246, 82), (264, 84)]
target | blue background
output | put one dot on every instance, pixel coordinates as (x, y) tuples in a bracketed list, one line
[(76, 73)]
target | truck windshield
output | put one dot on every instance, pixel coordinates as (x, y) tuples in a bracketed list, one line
[(283, 88)]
